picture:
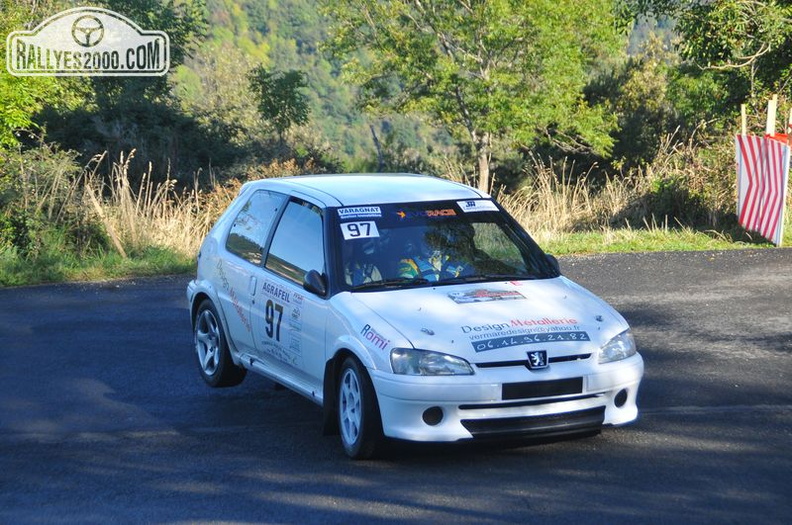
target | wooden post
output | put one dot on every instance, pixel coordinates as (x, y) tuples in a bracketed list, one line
[(789, 128), (772, 109)]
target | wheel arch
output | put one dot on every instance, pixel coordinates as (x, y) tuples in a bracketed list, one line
[(201, 290), (330, 391), (196, 303), (214, 346), (209, 293), (332, 372)]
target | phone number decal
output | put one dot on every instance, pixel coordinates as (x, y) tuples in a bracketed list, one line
[(528, 339)]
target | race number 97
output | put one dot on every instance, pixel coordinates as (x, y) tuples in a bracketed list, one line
[(359, 230)]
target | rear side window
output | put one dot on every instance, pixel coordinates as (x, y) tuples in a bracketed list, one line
[(248, 235), (297, 246)]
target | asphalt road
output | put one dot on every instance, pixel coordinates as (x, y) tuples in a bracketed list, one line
[(104, 419)]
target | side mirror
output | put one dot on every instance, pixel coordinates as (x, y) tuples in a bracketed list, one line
[(314, 282), (554, 263)]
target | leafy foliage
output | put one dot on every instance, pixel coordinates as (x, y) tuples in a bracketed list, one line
[(280, 101), (22, 97), (40, 200), (487, 71), (749, 42)]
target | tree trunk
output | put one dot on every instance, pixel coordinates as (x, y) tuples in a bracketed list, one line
[(484, 152), (380, 157)]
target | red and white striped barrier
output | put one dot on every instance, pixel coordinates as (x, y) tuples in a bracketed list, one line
[(762, 175)]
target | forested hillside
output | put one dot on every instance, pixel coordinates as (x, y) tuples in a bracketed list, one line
[(281, 36)]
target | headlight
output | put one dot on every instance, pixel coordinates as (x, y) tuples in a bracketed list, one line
[(411, 362), (620, 347)]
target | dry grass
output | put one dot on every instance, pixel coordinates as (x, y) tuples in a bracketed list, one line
[(556, 202), (154, 214), (685, 185), (157, 213)]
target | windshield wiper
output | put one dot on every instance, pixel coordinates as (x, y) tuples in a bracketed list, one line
[(392, 283), (478, 278)]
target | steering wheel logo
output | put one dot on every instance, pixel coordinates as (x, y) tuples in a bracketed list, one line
[(87, 31)]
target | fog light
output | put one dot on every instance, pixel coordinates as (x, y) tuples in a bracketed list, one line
[(433, 416), (620, 399)]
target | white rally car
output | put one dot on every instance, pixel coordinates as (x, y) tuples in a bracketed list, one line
[(408, 307)]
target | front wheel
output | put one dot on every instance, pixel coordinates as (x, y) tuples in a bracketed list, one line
[(358, 412), (211, 348)]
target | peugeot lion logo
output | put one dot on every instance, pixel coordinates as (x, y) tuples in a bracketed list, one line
[(537, 359)]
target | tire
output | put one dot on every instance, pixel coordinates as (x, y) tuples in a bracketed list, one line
[(211, 349), (359, 418)]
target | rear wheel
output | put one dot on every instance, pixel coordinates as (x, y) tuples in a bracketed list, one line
[(211, 348), (358, 412)]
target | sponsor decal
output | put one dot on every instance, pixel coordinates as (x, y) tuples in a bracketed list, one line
[(482, 295), (373, 337), (292, 358), (518, 323), (542, 322), (358, 212), (276, 292), (295, 322), (232, 294), (528, 339), (432, 214), (88, 41), (295, 343), (477, 205), (494, 327), (546, 327)]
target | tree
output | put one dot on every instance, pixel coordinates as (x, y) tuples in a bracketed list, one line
[(491, 72), (280, 101), (22, 97), (749, 42)]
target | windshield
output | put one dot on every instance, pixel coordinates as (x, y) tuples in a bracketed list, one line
[(431, 243)]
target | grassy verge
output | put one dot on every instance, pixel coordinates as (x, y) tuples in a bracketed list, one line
[(653, 240), (53, 267)]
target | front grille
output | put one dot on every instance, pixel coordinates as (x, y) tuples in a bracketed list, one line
[(531, 389), (589, 420), (524, 362)]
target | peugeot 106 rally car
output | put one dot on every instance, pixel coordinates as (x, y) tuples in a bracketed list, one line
[(408, 307)]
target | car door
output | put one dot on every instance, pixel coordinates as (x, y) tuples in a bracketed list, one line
[(238, 282), (288, 321)]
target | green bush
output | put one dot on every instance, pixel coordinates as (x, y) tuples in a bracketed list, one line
[(41, 195), (672, 198)]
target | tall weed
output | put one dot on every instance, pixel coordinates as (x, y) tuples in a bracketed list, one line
[(154, 214), (689, 185)]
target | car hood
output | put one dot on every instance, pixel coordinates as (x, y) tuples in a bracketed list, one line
[(498, 320)]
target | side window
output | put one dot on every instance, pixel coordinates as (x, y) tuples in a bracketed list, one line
[(252, 225), (297, 245)]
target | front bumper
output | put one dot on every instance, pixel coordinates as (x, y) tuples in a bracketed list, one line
[(561, 400)]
